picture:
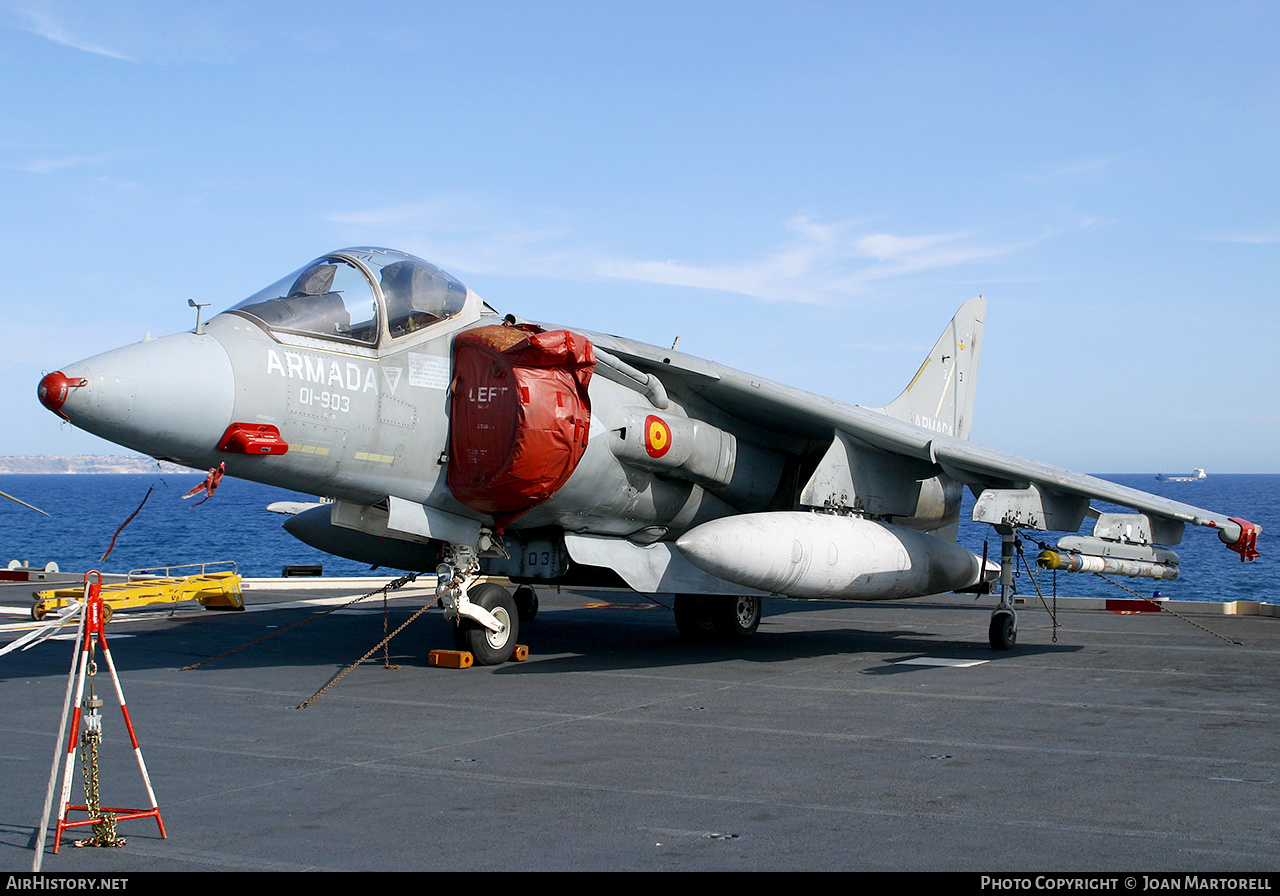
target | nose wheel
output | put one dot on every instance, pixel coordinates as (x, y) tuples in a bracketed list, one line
[(488, 646)]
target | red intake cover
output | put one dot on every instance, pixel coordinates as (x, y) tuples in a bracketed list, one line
[(520, 416)]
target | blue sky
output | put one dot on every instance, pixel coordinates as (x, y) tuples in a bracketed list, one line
[(804, 190)]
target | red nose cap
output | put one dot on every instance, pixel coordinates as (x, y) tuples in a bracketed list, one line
[(55, 388)]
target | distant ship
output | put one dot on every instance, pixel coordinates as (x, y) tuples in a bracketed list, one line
[(1183, 477)]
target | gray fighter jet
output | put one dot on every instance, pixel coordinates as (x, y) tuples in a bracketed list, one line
[(450, 438)]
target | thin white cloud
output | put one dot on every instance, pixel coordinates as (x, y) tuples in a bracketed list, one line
[(157, 34), (885, 246), (61, 163), (392, 216), (814, 263), (462, 231), (821, 262), (1265, 237), (1068, 170), (39, 20)]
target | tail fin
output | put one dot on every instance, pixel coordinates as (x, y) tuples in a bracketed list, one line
[(940, 395)]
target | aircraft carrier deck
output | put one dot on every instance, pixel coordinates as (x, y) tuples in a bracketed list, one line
[(866, 737)]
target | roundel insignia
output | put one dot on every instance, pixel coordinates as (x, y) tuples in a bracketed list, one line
[(657, 436)]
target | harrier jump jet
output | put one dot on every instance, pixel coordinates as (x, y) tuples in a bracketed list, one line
[(451, 438)]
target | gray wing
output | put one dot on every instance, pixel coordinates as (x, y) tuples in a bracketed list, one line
[(1011, 489)]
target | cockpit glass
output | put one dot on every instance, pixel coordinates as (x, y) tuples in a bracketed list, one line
[(329, 297), (417, 294), (334, 296)]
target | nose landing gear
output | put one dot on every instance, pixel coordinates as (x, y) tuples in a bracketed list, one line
[(490, 645), (486, 617)]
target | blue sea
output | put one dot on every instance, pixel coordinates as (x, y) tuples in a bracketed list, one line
[(87, 509), (1209, 570)]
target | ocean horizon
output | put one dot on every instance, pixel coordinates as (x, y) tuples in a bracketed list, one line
[(88, 510)]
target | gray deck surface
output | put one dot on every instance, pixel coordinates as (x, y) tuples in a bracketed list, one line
[(842, 737)]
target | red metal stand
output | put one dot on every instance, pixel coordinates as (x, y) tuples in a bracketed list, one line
[(103, 819)]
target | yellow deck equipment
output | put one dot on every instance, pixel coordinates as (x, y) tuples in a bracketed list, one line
[(215, 585)]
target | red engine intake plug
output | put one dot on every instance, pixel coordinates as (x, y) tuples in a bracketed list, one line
[(54, 389)]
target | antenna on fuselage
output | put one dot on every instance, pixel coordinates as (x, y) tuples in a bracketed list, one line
[(199, 326)]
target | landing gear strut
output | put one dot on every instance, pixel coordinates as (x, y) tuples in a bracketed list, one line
[(485, 616), (1003, 631)]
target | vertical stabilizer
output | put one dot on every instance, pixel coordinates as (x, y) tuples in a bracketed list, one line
[(940, 395)]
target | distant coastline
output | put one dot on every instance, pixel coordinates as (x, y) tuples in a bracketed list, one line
[(86, 463)]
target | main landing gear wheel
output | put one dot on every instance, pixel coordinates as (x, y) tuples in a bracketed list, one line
[(705, 615), (526, 602), (1003, 631), (693, 616), (489, 648), (736, 618)]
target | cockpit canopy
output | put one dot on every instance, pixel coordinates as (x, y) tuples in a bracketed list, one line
[(349, 293)]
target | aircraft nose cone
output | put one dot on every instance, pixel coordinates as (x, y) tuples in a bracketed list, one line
[(54, 389), (170, 397)]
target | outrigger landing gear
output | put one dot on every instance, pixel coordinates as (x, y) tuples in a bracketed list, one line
[(485, 617), (728, 617), (1003, 631)]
